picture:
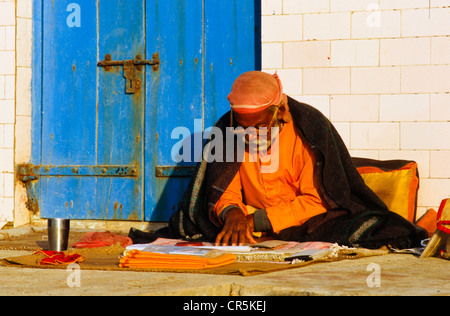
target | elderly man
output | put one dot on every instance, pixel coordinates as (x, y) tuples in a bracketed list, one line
[(315, 193), (286, 196)]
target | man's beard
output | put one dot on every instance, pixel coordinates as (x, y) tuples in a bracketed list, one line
[(262, 144)]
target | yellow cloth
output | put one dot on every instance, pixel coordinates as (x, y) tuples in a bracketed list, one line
[(396, 188), (288, 194)]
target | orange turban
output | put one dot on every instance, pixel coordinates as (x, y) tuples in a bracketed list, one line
[(255, 91)]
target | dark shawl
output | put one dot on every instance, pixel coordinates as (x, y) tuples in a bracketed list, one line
[(355, 215)]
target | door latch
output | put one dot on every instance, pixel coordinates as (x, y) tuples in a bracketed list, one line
[(129, 69)]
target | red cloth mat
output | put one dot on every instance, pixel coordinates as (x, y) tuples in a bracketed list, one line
[(102, 239)]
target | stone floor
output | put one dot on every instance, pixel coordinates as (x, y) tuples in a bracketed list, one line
[(393, 274)]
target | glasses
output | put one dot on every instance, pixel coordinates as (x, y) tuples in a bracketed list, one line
[(252, 135), (270, 125)]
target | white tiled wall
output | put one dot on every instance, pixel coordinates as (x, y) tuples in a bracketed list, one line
[(379, 69), (7, 108), (15, 104)]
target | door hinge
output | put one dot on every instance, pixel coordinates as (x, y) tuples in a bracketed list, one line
[(28, 172), (174, 171), (129, 69)]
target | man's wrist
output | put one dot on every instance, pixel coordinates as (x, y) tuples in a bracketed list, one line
[(262, 222), (222, 215)]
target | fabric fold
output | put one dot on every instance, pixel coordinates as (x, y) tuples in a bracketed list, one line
[(143, 259)]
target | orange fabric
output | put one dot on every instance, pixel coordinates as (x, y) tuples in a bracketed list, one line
[(59, 258), (141, 259), (253, 91), (288, 194), (102, 239), (428, 221)]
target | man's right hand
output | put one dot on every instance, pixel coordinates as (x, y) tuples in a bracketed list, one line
[(236, 227)]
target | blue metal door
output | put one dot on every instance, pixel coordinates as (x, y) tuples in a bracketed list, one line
[(91, 129), (102, 120)]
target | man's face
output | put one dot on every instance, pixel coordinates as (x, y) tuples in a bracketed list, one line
[(257, 127)]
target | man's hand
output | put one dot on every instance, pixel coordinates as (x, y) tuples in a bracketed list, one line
[(238, 227)]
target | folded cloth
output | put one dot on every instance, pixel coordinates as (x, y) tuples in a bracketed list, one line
[(439, 244), (59, 258), (428, 221), (102, 239), (443, 217), (151, 260), (443, 224)]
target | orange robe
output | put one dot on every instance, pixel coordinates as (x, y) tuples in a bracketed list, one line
[(288, 194)]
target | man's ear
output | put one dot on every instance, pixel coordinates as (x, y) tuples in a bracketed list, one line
[(283, 112)]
